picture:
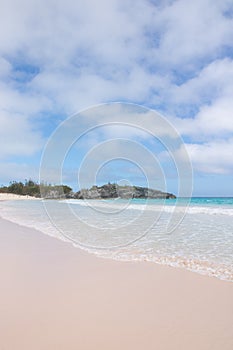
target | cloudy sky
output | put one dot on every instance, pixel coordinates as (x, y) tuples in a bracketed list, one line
[(60, 57)]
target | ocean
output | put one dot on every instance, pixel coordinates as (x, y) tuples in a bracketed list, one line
[(194, 234)]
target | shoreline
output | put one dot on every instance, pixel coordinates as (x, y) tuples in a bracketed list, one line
[(200, 267), (12, 196), (55, 295)]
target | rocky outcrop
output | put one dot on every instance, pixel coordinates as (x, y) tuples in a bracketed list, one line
[(109, 191)]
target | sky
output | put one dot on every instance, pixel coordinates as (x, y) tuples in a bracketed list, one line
[(59, 58)]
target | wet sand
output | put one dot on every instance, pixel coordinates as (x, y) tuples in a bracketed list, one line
[(55, 296)]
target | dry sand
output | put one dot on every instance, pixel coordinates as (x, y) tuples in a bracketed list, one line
[(56, 297), (12, 196)]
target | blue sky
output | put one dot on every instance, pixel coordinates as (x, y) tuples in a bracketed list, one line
[(58, 58)]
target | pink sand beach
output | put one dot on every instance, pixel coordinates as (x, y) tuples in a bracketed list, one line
[(56, 296)]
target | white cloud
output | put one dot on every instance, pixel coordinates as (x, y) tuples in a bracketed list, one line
[(60, 57), (213, 157), (214, 120), (211, 82), (17, 136), (5, 68), (211, 92), (87, 56), (192, 31)]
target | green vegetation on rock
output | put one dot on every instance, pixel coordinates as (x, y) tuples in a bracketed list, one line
[(107, 191), (33, 189)]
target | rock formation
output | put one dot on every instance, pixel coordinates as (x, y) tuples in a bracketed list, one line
[(109, 191)]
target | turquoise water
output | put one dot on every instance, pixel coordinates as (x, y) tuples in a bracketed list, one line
[(212, 200), (197, 236), (208, 201)]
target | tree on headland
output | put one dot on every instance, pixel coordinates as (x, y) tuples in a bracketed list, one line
[(16, 187), (33, 189)]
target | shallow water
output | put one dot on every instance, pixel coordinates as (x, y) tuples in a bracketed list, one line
[(198, 237)]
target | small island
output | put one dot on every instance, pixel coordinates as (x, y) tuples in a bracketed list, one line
[(108, 191)]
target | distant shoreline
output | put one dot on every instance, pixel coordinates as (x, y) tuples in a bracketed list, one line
[(12, 196)]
